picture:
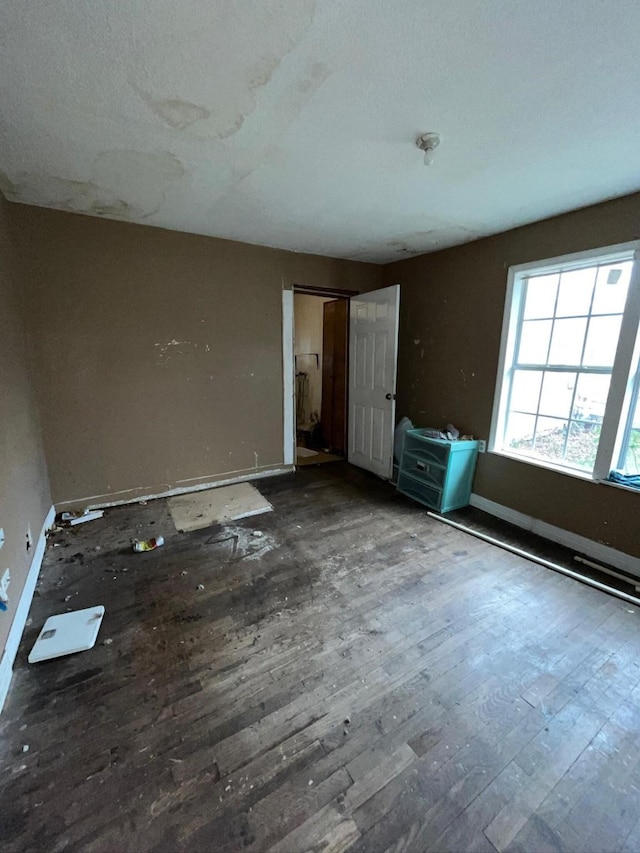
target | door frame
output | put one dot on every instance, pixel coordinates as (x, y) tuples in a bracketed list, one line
[(288, 361)]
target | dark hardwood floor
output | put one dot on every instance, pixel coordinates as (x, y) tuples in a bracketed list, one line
[(360, 678)]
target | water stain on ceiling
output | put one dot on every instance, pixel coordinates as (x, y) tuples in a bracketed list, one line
[(292, 123), (126, 185)]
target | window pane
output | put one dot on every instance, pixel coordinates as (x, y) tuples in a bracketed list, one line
[(582, 445), (567, 341), (611, 288), (602, 341), (632, 458), (519, 434), (576, 288), (557, 393), (525, 390), (568, 332), (631, 461), (591, 397), (534, 342), (541, 296), (549, 443)]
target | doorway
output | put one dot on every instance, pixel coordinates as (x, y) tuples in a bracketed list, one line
[(321, 333), (369, 359)]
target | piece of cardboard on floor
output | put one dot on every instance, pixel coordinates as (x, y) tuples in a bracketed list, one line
[(67, 633), (216, 506)]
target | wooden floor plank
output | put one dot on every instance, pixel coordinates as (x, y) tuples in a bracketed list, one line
[(360, 677)]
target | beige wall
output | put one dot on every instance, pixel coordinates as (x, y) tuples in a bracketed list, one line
[(24, 487), (309, 314), (451, 320), (157, 354)]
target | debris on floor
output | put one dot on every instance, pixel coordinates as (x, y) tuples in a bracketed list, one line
[(79, 517), (140, 545), (67, 633), (258, 534), (107, 642), (205, 508), (200, 586), (25, 747)]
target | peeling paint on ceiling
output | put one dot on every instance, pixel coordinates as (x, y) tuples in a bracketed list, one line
[(292, 123)]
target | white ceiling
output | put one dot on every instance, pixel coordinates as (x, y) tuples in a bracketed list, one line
[(292, 123)]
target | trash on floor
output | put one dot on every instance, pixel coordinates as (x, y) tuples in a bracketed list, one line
[(216, 506), (67, 633), (79, 517), (258, 534), (147, 544)]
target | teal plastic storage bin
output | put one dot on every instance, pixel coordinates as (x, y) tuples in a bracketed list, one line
[(435, 472)]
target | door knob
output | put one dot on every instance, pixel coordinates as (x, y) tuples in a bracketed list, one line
[(390, 396)]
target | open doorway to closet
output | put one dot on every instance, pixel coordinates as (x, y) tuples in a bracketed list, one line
[(321, 334)]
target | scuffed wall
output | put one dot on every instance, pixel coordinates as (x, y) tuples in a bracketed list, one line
[(24, 486), (450, 326), (157, 354)]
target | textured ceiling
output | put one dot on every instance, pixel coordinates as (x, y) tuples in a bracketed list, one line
[(292, 123)]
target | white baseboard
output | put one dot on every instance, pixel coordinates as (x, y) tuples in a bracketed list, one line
[(580, 544), (22, 611), (106, 501)]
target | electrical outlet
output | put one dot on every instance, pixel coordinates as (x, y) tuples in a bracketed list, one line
[(482, 446)]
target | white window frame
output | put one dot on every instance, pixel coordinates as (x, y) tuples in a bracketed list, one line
[(621, 390)]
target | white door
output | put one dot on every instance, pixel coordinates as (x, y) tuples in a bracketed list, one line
[(373, 356)]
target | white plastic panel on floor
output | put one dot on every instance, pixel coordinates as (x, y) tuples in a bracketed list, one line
[(67, 633), (215, 506), (305, 451)]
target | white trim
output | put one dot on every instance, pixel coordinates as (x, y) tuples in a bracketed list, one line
[(22, 610), (288, 370), (180, 490), (621, 387), (507, 350), (596, 550), (578, 259)]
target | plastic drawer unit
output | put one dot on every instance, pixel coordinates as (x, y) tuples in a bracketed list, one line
[(435, 472)]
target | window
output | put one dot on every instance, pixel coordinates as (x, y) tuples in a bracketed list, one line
[(568, 384)]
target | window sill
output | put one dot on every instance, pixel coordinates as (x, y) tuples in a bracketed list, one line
[(619, 486), (558, 469), (579, 475)]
